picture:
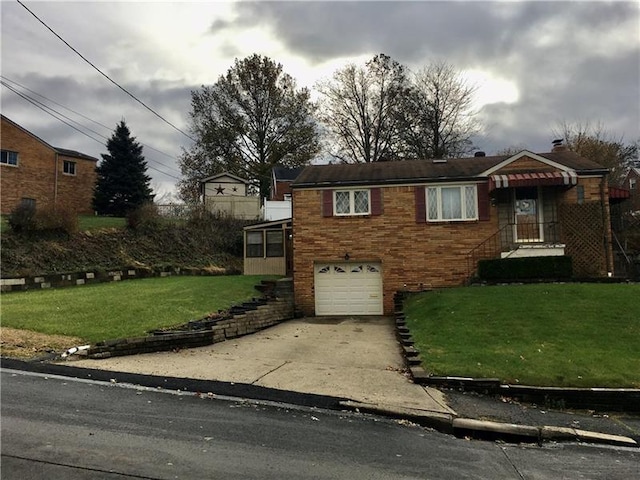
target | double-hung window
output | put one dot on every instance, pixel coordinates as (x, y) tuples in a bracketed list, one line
[(452, 203), (255, 245), (275, 243), (267, 243), (351, 202), (69, 168), (9, 158)]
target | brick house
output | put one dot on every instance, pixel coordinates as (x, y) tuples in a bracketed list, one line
[(281, 180), (361, 232), (631, 183), (34, 172)]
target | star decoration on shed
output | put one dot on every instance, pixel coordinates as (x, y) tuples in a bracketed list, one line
[(219, 190)]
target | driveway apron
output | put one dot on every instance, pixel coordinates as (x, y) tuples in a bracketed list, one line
[(353, 357)]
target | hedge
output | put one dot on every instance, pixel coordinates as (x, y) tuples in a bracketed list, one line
[(527, 268)]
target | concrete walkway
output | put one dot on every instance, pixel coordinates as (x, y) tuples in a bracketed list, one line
[(351, 357)]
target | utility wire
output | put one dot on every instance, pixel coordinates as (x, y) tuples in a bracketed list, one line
[(54, 114), (105, 75), (7, 79), (149, 147)]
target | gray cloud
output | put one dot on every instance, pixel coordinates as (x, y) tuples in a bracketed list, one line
[(571, 61)]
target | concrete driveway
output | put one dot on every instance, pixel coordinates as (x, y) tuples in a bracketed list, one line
[(353, 357)]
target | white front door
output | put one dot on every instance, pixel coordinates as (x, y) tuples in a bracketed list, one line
[(348, 288)]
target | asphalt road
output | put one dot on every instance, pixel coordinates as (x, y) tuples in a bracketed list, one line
[(57, 427)]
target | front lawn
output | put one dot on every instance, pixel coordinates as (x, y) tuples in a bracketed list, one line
[(582, 335), (124, 309)]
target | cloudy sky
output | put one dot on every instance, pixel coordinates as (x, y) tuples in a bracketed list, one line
[(536, 64)]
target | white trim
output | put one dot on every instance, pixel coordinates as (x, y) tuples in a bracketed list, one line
[(518, 156), (351, 192), (462, 188)]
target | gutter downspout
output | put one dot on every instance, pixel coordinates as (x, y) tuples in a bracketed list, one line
[(55, 183)]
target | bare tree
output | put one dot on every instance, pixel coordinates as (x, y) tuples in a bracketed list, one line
[(250, 120), (361, 108), (599, 145), (440, 119)]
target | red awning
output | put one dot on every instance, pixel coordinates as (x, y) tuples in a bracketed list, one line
[(533, 179)]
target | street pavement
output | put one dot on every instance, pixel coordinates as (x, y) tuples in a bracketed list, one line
[(359, 358)]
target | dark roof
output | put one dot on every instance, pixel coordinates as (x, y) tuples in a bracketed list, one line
[(272, 223), (284, 174), (417, 171), (74, 154), (61, 151)]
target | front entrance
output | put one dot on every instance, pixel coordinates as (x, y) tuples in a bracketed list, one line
[(348, 288), (527, 204)]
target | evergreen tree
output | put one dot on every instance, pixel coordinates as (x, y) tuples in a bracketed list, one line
[(123, 183)]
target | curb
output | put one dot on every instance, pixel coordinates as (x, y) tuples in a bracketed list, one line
[(444, 423), (488, 430)]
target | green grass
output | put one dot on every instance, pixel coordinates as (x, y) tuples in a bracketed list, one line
[(92, 222), (85, 222), (124, 309), (582, 335)]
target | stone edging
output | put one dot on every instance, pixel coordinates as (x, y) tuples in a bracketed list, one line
[(599, 399), (56, 280)]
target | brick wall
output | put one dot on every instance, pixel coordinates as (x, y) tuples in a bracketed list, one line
[(431, 254), (413, 255), (35, 175)]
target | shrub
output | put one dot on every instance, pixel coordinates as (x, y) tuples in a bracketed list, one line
[(21, 219), (529, 268), (56, 221), (144, 218), (26, 219), (225, 231)]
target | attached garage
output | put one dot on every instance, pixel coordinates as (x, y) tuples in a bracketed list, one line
[(348, 288)]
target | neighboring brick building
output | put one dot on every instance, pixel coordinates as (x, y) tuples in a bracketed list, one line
[(631, 182), (361, 232), (34, 172), (281, 180)]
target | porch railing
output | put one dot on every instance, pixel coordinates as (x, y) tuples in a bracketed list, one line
[(510, 237)]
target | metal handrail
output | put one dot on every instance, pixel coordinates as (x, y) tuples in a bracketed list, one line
[(503, 240)]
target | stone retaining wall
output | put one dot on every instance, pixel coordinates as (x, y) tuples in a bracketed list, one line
[(276, 307)]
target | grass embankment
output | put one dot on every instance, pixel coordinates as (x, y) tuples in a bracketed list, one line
[(86, 223), (124, 309), (582, 335)]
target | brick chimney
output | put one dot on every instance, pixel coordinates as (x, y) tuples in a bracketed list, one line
[(558, 145)]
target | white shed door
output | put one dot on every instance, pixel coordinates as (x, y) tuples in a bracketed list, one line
[(348, 288)]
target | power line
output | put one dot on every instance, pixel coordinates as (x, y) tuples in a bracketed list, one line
[(54, 114), (87, 118), (7, 79), (105, 75)]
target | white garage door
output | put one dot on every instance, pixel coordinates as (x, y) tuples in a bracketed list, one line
[(348, 288)]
